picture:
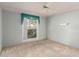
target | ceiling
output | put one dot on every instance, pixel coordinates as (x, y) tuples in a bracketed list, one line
[(37, 7)]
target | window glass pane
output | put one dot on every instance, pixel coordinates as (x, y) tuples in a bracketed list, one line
[(32, 28)]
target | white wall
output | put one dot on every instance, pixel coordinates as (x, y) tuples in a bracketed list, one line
[(42, 28), (64, 34), (12, 28), (0, 30)]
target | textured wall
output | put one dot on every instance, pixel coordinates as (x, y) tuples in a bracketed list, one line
[(61, 31), (12, 28)]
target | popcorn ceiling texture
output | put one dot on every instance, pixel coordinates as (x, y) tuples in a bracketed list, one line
[(43, 48)]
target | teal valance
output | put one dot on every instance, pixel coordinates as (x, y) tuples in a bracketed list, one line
[(28, 16)]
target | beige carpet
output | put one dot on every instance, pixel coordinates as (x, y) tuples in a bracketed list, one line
[(44, 48)]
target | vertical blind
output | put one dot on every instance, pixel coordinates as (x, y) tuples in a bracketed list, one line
[(28, 16)]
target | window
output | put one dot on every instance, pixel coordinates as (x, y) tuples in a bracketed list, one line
[(29, 28), (32, 28)]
